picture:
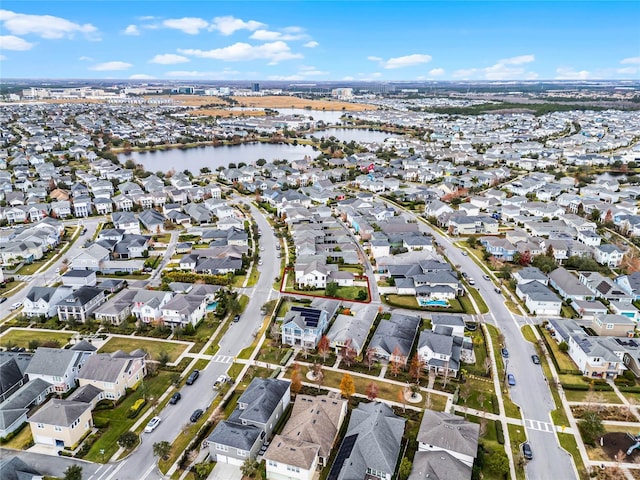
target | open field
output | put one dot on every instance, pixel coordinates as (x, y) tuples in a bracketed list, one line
[(285, 101), (21, 338), (152, 347), (220, 112)]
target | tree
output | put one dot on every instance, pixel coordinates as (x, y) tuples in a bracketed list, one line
[(497, 463), (405, 469), (249, 468), (402, 398), (323, 347), (563, 346), (127, 439), (465, 392), (550, 252), (296, 381), (73, 472), (415, 370), (396, 361), (347, 387), (595, 215), (372, 391), (161, 449), (348, 353), (331, 289), (370, 357), (318, 374), (591, 427), (163, 358)]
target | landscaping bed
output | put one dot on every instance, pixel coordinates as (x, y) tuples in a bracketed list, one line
[(620, 414)]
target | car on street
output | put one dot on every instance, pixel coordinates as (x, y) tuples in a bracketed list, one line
[(526, 451), (471, 281), (193, 377), (15, 306), (236, 319), (511, 379), (486, 277), (535, 359), (498, 291), (504, 352), (175, 398), (220, 381), (152, 425), (259, 262), (3, 299), (196, 415), (464, 252)]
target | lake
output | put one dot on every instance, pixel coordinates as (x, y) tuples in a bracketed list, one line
[(194, 159), (357, 135)]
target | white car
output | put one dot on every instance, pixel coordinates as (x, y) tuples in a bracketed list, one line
[(152, 425), (15, 306)]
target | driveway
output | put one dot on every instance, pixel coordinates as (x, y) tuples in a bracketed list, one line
[(224, 471)]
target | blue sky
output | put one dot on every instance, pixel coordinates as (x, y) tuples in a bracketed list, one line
[(313, 41)]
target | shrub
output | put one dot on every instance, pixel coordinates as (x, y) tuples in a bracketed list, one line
[(100, 422), (499, 433), (136, 407)]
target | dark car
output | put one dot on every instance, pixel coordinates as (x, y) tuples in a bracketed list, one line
[(236, 319), (535, 359), (505, 353), (498, 291), (196, 415), (175, 398), (193, 377), (526, 451), (511, 379), (3, 299)]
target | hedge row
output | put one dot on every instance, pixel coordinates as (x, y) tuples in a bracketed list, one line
[(499, 432), (598, 387)]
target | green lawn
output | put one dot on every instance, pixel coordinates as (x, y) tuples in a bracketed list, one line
[(21, 440), (489, 440), (568, 442), (402, 301), (596, 397), (517, 436), (152, 347), (481, 395), (21, 338), (118, 420), (528, 334), (479, 300)]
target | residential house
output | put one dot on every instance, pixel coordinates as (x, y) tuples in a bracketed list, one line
[(630, 283), (352, 330), (609, 255), (90, 258), (596, 357), (42, 301), (371, 446), (604, 287), (184, 309), (303, 326), (307, 438), (530, 274), (59, 366), (393, 339), (80, 304), (15, 409), (114, 372), (445, 347), (251, 423), (539, 299), (79, 278), (613, 325), (152, 220), (61, 423), (13, 366), (126, 221), (568, 285), (13, 468)]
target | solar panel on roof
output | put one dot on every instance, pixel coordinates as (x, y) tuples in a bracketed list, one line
[(343, 454)]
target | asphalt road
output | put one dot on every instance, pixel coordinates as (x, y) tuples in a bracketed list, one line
[(50, 276), (531, 392)]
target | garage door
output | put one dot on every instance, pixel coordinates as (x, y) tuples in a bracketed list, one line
[(235, 461), (221, 458), (45, 440)]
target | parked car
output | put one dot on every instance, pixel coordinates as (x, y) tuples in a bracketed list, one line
[(464, 252), (15, 306), (3, 299), (498, 291), (84, 230), (511, 379), (526, 451), (486, 277), (220, 381), (175, 398), (236, 319), (196, 415), (504, 352), (471, 281), (259, 262), (535, 359), (193, 377), (152, 425)]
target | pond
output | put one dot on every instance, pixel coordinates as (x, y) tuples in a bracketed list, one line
[(194, 159)]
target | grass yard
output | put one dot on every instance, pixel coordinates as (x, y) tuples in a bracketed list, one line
[(153, 347), (510, 408), (481, 395), (482, 306), (118, 420), (568, 442), (21, 440), (517, 436), (402, 301), (529, 336), (489, 440), (22, 338), (596, 397)]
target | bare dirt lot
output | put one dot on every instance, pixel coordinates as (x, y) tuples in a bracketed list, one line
[(616, 442), (285, 101)]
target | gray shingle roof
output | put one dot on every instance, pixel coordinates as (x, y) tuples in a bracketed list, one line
[(14, 468), (105, 367), (449, 432), (60, 412), (260, 400), (438, 466), (53, 361), (235, 435)]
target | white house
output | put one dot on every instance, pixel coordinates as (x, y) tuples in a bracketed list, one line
[(539, 299)]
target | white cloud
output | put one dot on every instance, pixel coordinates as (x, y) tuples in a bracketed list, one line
[(402, 62), (274, 52), (189, 25), (512, 68), (109, 66), (631, 60), (311, 44), (228, 25), (11, 42), (266, 35), (347, 79), (85, 59), (141, 76), (520, 60), (169, 59), (287, 34), (131, 30), (628, 70), (464, 73), (195, 73), (2, 57), (45, 26), (304, 72), (564, 73), (436, 72)]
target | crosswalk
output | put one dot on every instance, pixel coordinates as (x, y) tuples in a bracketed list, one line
[(540, 426), (222, 359)]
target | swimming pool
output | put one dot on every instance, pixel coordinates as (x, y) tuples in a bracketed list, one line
[(212, 306), (432, 303)]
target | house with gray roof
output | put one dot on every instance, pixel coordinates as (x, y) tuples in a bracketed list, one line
[(353, 329), (184, 309), (80, 304), (371, 446), (604, 287), (568, 285), (13, 468), (630, 283), (113, 372), (14, 410), (59, 366), (539, 299), (42, 301), (393, 339), (13, 366), (61, 423), (530, 274), (241, 436)]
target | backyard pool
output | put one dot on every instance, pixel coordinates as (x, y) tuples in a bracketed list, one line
[(432, 303), (212, 306)]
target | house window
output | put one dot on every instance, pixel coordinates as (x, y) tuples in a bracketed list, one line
[(293, 469), (609, 326), (222, 448), (375, 473), (242, 453), (40, 425), (271, 463), (57, 428)]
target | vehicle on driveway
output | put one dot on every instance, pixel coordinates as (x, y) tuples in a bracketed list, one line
[(193, 377), (196, 415), (535, 359), (526, 451), (511, 379), (175, 398), (504, 352), (152, 425)]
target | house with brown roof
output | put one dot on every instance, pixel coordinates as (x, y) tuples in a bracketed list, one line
[(307, 438)]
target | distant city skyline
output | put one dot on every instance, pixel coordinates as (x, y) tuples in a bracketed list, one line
[(297, 41)]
